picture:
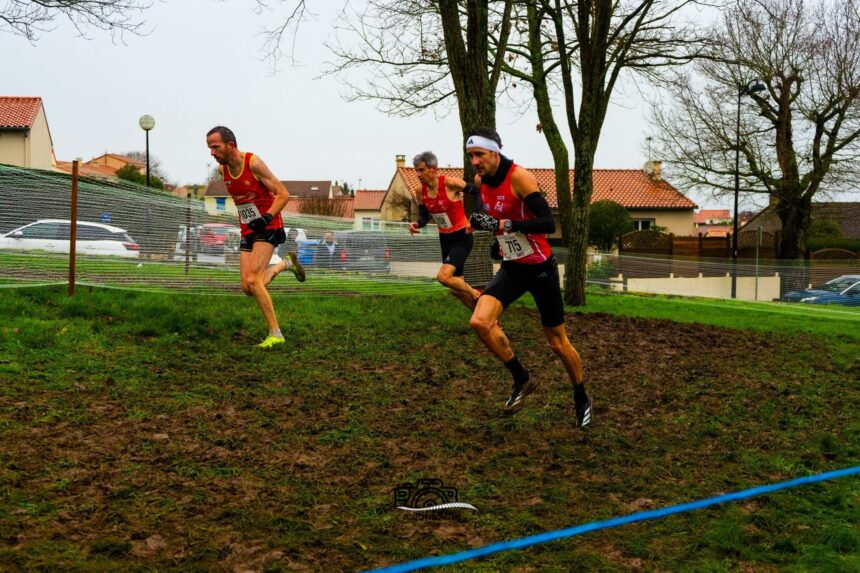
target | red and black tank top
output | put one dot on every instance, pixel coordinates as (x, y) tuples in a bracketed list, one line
[(448, 215), (252, 198), (502, 203)]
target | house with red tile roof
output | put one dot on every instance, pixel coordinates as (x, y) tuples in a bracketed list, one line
[(846, 215), (368, 203), (650, 199), (217, 199), (25, 140), (713, 222), (105, 165)]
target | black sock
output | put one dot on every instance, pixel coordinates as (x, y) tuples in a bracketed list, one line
[(520, 374), (579, 395)]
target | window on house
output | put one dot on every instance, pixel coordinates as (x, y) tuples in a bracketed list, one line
[(370, 223), (220, 203), (643, 224)]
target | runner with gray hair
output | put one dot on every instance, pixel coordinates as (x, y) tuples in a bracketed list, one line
[(440, 198)]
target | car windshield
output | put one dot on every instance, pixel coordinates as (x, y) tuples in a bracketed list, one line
[(838, 285)]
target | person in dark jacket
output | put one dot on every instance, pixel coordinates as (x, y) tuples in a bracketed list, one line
[(328, 253)]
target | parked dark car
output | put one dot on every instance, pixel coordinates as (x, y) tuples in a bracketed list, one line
[(844, 290), (364, 251)]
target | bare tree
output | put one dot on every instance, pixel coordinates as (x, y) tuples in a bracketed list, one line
[(796, 139), (427, 55), (286, 30), (154, 162), (28, 18), (324, 207), (593, 42)]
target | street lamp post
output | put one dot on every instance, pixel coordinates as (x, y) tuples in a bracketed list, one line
[(749, 89), (147, 122)]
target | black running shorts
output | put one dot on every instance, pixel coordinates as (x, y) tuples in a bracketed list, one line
[(273, 236), (541, 280), (456, 247)]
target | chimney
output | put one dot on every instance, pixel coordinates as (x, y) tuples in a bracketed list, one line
[(400, 160), (654, 169)]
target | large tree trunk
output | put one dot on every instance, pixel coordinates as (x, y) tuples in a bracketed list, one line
[(551, 132), (476, 99), (575, 265), (796, 217)]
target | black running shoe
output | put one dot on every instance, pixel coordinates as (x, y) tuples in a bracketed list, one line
[(520, 391), (583, 414)]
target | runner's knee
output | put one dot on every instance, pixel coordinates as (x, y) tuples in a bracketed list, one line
[(444, 276), (251, 283), (481, 325), (558, 345), (557, 341)]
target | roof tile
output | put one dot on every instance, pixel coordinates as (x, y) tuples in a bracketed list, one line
[(19, 112), (631, 188), (369, 199)]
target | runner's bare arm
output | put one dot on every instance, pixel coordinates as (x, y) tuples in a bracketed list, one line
[(523, 183), (261, 172), (525, 186), (456, 188)]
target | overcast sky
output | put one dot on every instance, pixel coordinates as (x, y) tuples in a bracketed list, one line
[(201, 65)]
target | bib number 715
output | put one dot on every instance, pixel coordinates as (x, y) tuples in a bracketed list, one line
[(514, 246)]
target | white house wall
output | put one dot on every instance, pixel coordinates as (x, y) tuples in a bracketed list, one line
[(13, 148), (41, 148)]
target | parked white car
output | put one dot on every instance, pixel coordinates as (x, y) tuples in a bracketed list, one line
[(52, 235)]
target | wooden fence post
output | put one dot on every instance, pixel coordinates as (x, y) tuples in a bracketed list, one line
[(73, 228), (187, 231)]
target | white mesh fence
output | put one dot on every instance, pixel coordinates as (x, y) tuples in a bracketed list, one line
[(129, 236)]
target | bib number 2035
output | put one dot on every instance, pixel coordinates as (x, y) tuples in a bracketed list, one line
[(248, 212)]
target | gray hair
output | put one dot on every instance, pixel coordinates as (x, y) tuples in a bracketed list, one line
[(427, 157)]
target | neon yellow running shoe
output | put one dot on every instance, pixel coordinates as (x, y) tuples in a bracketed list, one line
[(296, 268), (270, 342)]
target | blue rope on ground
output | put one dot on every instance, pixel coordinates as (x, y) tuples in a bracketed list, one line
[(427, 562)]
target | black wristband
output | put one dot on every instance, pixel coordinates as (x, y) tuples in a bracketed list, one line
[(471, 189)]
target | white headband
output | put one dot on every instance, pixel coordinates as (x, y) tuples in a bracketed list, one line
[(485, 142)]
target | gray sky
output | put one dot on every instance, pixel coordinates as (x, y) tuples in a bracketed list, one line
[(202, 65)]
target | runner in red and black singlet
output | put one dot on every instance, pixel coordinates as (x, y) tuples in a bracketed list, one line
[(513, 208), (440, 200), (259, 197), (251, 197)]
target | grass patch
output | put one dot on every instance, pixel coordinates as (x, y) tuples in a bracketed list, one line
[(144, 431)]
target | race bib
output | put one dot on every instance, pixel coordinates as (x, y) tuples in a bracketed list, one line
[(514, 246), (248, 212), (442, 220)]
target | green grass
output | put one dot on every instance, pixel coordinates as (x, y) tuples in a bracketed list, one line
[(169, 276), (143, 431), (828, 321)]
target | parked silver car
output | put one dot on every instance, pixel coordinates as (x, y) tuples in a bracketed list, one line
[(52, 235)]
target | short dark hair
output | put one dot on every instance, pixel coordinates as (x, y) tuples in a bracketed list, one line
[(487, 132), (227, 135)]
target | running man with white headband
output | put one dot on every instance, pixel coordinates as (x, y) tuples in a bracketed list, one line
[(512, 207), (259, 198), (440, 199)]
